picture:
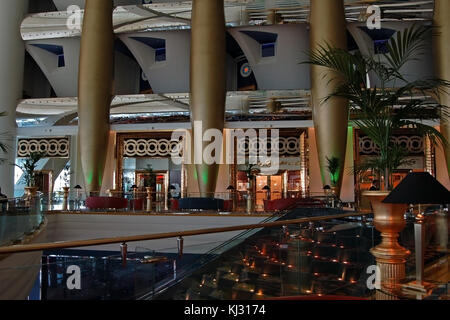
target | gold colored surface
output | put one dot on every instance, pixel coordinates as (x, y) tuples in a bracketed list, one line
[(95, 88), (441, 51), (328, 26), (208, 79), (390, 255)]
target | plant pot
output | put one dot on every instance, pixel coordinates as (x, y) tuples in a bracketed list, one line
[(31, 191), (390, 255)]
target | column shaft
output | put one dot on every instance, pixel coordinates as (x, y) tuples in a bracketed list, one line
[(95, 86), (208, 80), (328, 25), (441, 51), (12, 53)]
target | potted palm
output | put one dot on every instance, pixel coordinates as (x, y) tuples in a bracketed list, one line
[(28, 167), (149, 182), (333, 165), (379, 112), (250, 171), (397, 103)]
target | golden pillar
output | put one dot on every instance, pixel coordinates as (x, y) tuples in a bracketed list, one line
[(208, 83), (328, 26), (441, 50), (95, 86)]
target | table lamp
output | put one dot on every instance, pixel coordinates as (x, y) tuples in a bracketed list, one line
[(419, 188)]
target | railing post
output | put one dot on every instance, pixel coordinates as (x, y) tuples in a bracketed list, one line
[(65, 199), (149, 199), (124, 252), (180, 242), (249, 202)]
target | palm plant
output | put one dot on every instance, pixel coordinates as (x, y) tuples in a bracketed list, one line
[(251, 171), (333, 168), (397, 103), (29, 166), (3, 146), (150, 177)]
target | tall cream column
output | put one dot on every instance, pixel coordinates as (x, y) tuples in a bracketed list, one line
[(95, 86), (207, 81), (441, 51), (328, 25), (12, 55)]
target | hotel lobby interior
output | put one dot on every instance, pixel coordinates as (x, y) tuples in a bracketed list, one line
[(209, 150)]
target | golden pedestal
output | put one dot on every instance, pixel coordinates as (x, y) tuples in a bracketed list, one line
[(66, 198), (389, 254)]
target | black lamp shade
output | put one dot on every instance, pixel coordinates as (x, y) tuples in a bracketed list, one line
[(134, 186), (172, 187), (419, 188), (266, 188), (78, 186), (230, 188), (327, 187)]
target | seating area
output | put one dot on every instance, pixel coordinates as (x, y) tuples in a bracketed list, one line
[(96, 203), (201, 204)]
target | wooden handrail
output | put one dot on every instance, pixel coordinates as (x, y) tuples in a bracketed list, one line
[(103, 241)]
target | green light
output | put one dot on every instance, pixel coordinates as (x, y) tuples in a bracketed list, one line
[(205, 177), (90, 178)]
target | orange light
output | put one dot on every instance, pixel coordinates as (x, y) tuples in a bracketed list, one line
[(316, 274)]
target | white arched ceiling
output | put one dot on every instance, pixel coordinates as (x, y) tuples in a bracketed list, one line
[(414, 70), (64, 80), (171, 75), (283, 71)]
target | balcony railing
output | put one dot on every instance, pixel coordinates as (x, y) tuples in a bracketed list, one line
[(315, 255), (19, 218)]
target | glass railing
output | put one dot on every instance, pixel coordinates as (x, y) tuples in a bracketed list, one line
[(315, 257), (19, 218), (326, 258), (103, 277)]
